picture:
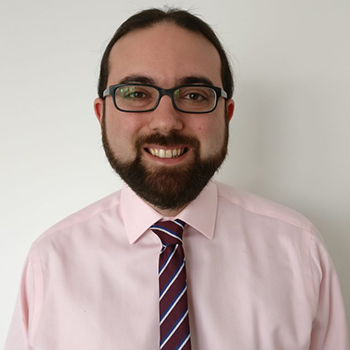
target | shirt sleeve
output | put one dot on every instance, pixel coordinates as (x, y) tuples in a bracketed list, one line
[(329, 330), (27, 309)]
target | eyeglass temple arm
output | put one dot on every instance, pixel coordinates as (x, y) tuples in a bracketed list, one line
[(223, 93), (106, 92)]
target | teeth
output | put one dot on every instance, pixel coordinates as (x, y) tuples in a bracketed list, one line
[(161, 153)]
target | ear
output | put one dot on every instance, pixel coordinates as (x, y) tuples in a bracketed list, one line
[(230, 108), (98, 107)]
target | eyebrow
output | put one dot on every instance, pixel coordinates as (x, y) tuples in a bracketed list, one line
[(195, 79), (137, 79), (142, 79)]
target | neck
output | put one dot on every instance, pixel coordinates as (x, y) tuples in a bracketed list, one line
[(170, 213)]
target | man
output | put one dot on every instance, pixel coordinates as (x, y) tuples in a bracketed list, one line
[(113, 276)]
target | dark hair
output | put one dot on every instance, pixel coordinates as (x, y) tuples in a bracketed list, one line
[(181, 18)]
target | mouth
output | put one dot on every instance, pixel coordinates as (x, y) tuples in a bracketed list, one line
[(168, 153)]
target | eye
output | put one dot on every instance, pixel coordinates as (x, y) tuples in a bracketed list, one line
[(136, 95), (133, 94), (195, 96)]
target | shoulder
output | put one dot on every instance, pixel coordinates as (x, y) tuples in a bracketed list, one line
[(88, 216), (254, 205)]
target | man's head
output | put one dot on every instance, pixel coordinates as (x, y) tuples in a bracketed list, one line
[(180, 18), (165, 155)]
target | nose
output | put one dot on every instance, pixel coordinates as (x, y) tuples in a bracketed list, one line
[(166, 118)]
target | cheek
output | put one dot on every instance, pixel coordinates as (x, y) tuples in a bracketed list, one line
[(122, 128), (211, 136), (121, 136)]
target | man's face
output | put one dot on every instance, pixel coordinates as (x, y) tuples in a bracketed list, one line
[(144, 147)]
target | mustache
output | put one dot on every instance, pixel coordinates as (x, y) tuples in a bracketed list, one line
[(171, 139)]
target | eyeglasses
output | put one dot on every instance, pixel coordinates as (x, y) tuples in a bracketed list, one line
[(145, 98)]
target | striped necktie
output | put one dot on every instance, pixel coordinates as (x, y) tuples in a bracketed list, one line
[(173, 308)]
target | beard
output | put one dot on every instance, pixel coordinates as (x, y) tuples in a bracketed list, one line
[(168, 187)]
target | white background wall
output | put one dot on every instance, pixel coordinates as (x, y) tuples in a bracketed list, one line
[(290, 137)]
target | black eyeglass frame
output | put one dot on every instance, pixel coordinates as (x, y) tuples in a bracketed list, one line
[(219, 92)]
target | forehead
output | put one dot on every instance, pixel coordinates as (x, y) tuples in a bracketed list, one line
[(166, 53)]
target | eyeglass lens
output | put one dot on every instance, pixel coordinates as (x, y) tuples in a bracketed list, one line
[(187, 98)]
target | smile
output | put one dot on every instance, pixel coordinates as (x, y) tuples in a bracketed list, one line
[(166, 153)]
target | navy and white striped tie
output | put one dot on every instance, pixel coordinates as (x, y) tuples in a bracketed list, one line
[(173, 308)]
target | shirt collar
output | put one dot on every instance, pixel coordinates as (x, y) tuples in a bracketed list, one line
[(138, 216)]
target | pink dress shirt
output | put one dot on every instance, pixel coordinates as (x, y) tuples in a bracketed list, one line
[(259, 278)]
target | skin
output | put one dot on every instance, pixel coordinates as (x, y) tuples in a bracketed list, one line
[(165, 55)]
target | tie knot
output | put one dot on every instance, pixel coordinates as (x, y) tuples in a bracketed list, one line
[(169, 232)]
